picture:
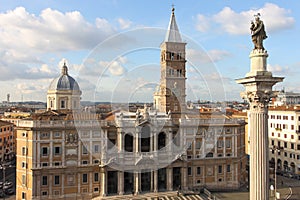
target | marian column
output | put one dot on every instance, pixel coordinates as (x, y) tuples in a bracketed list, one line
[(258, 83)]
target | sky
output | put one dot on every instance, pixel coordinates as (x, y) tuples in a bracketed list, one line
[(112, 48)]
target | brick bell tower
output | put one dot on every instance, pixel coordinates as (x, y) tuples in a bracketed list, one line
[(170, 95)]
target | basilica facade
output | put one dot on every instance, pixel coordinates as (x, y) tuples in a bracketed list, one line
[(67, 153)]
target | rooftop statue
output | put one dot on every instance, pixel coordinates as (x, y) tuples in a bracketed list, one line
[(258, 32)]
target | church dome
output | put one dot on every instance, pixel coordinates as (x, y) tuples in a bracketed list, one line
[(64, 81)]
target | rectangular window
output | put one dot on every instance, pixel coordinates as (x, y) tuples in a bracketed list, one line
[(44, 151), (24, 151), (23, 195), (96, 148), (220, 144), (44, 164), (84, 162), (292, 137), (228, 143), (198, 170), (292, 127), (272, 142), (189, 171), (57, 151), (228, 168), (23, 179), (198, 144), (44, 193), (62, 104), (220, 169), (96, 177), (84, 178), (292, 117), (45, 180), (84, 149), (57, 134), (285, 144), (56, 180), (24, 165), (96, 189)]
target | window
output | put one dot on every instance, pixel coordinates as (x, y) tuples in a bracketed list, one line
[(189, 171), (292, 146), (285, 144), (228, 143), (292, 127), (24, 151), (198, 144), (44, 193), (24, 134), (228, 168), (23, 179), (220, 170), (56, 163), (96, 148), (285, 154), (220, 144), (96, 189), (56, 180), (285, 136), (24, 165), (57, 150), (23, 195), (84, 162), (44, 151), (44, 135), (62, 104), (44, 164), (84, 149), (96, 177), (198, 170), (84, 178), (272, 142), (45, 180), (292, 137), (57, 134)]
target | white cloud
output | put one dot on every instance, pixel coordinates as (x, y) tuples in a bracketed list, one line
[(124, 23), (196, 56), (115, 67), (274, 17), (203, 23), (278, 69)]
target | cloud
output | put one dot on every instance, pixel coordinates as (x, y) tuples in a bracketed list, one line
[(203, 23), (50, 31), (237, 23), (196, 56), (115, 67), (124, 23), (278, 69)]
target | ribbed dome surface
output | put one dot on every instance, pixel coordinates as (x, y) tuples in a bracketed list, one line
[(64, 81)]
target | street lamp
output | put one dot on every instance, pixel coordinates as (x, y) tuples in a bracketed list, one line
[(276, 149)]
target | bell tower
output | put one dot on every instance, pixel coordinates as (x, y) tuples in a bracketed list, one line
[(170, 94)]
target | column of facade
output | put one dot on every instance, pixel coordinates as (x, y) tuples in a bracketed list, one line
[(136, 183), (51, 149), (62, 184), (169, 178), (184, 177), (120, 182), (63, 158), (91, 182), (155, 179), (103, 185)]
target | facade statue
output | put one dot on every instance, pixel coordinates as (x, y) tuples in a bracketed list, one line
[(258, 32)]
